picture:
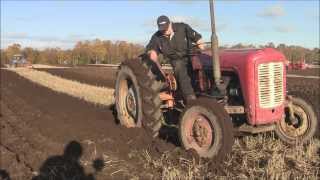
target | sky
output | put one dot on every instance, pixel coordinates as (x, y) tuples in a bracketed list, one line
[(42, 24)]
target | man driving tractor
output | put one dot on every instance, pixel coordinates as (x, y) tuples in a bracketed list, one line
[(174, 41), (245, 94)]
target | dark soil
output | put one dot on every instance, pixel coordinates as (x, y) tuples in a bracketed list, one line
[(306, 72), (37, 122)]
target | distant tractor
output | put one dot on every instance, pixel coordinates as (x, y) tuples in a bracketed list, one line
[(255, 99), (19, 60), (300, 65)]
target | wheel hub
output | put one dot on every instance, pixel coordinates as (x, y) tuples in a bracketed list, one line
[(131, 103), (200, 132), (299, 128)]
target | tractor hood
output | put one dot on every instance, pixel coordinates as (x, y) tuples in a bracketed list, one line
[(237, 59)]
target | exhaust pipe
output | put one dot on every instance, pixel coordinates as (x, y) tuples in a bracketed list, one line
[(214, 48)]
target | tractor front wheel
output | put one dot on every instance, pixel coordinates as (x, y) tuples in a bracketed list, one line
[(206, 127), (304, 126)]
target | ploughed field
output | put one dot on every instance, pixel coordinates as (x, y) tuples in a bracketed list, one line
[(306, 72), (42, 130), (99, 76), (308, 89), (37, 123)]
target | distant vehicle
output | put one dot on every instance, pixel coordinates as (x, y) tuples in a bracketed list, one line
[(19, 60), (300, 65)]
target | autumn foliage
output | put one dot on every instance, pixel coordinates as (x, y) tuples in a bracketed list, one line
[(84, 52), (109, 52)]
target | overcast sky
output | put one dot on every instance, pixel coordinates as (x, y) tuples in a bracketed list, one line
[(61, 23)]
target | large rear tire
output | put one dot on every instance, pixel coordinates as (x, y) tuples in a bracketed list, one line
[(306, 127), (207, 128), (137, 96)]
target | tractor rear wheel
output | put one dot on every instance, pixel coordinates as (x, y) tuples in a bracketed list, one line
[(304, 129), (137, 96), (207, 128)]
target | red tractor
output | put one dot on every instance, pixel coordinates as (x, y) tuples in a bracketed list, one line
[(300, 65), (19, 60), (255, 100)]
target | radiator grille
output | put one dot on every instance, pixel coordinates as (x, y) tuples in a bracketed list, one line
[(270, 81)]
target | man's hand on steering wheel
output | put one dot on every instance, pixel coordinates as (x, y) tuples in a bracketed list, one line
[(200, 44)]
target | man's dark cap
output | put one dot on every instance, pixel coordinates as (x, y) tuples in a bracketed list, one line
[(163, 22)]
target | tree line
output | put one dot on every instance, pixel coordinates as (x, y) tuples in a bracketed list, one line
[(84, 52), (108, 52)]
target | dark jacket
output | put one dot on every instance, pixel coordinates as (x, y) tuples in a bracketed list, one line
[(178, 46)]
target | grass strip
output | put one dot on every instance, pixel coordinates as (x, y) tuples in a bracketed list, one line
[(89, 93)]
